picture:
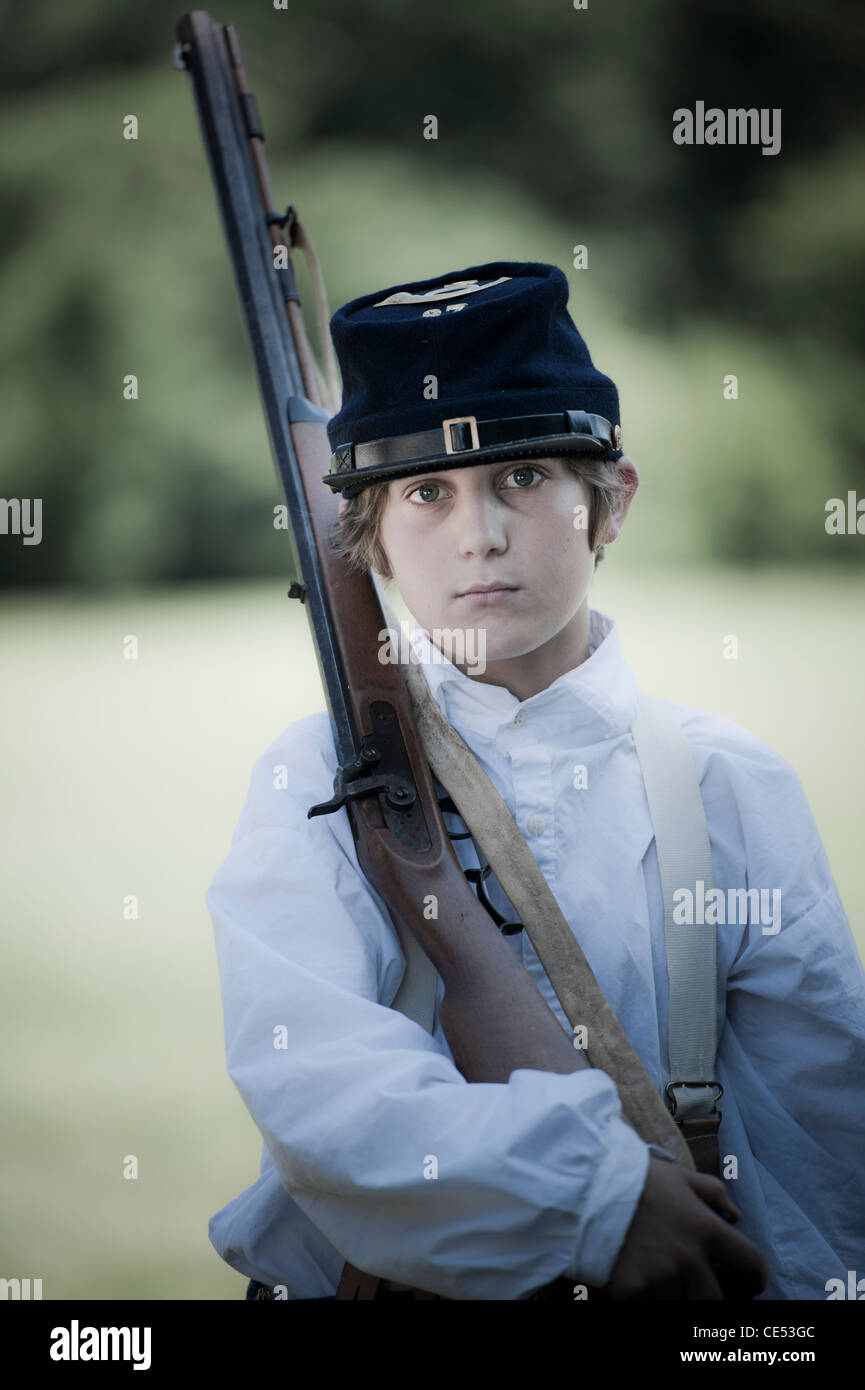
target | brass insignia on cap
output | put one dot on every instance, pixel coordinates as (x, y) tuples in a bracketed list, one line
[(617, 436)]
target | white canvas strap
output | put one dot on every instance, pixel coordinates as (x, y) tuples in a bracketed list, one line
[(685, 863)]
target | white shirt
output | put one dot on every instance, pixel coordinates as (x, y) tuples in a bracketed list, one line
[(541, 1176)]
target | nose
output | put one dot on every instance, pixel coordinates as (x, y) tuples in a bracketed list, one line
[(480, 523)]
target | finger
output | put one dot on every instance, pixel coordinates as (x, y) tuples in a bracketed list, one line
[(668, 1288), (715, 1195), (738, 1262), (704, 1285), (737, 1286)]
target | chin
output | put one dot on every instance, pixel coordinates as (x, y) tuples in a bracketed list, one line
[(511, 652), (509, 646)]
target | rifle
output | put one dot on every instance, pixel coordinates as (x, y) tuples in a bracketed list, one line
[(493, 1015)]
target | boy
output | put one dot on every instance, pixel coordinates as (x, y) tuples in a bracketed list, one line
[(475, 438)]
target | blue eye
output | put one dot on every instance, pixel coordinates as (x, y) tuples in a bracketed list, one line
[(526, 468), (425, 487)]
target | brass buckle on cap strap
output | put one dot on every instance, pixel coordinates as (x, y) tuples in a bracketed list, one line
[(471, 421)]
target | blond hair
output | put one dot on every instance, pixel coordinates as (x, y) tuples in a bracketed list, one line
[(356, 533)]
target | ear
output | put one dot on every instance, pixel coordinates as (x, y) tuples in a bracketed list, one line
[(628, 474)]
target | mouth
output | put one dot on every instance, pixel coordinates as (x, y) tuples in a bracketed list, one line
[(488, 593), (486, 588)]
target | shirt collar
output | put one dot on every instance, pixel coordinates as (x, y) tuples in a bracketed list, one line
[(599, 695)]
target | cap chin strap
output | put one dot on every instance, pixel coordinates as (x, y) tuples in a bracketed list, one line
[(458, 437)]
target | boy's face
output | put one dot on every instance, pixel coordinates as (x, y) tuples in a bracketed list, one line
[(519, 524)]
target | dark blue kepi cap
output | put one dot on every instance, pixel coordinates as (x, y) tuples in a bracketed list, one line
[(470, 367)]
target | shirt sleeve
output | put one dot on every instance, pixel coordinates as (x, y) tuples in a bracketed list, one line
[(471, 1191), (796, 1019)]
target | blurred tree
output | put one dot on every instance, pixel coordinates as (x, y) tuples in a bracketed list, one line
[(555, 127)]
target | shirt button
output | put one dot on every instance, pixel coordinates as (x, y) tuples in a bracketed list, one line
[(536, 825), (519, 718)]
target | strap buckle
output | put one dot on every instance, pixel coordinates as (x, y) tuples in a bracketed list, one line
[(449, 437), (669, 1091)]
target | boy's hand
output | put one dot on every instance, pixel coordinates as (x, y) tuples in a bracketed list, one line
[(680, 1244)]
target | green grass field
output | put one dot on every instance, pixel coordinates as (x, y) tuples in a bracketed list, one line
[(127, 777)]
